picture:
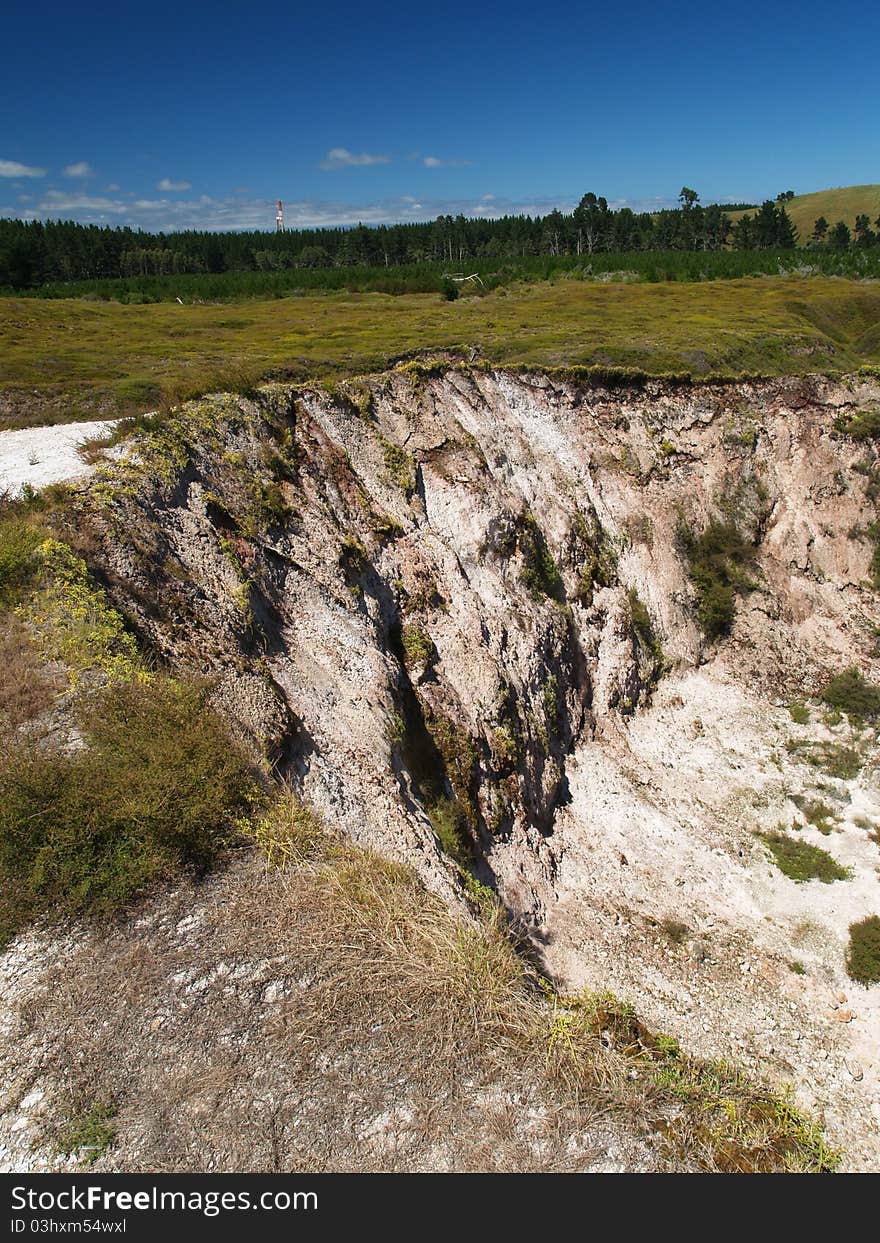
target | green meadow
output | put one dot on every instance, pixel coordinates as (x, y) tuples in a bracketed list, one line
[(65, 359)]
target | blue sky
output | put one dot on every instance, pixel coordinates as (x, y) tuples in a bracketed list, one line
[(197, 114)]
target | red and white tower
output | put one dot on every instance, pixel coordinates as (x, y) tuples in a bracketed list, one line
[(279, 218)]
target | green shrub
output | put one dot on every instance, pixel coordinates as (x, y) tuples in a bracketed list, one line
[(448, 291), (801, 861), (852, 693), (799, 713), (717, 563), (154, 789), (863, 955)]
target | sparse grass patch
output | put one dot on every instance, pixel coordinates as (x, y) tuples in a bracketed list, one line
[(370, 971), (816, 813), (290, 833), (418, 647), (593, 554), (92, 448), (723, 1120), (27, 687), (540, 576), (399, 466), (834, 759), (645, 635), (802, 862), (799, 713), (863, 954), (88, 1132), (448, 822)]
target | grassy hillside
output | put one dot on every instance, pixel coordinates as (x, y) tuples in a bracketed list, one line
[(844, 203), (64, 360)]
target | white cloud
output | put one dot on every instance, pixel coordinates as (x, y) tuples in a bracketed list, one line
[(80, 169), (112, 188), (432, 161), (167, 184), (12, 168), (339, 157), (164, 214)]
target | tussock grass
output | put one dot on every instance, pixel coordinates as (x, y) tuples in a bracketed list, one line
[(863, 954)]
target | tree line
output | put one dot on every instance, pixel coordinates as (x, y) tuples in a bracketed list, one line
[(33, 253), (841, 237)]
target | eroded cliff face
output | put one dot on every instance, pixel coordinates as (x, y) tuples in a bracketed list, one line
[(451, 605)]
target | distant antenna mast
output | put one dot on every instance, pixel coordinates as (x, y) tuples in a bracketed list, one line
[(279, 218)]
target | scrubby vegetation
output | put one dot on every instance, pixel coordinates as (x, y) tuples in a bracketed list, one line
[(155, 788), (851, 692), (832, 758), (863, 954), (800, 861), (718, 562), (816, 813)]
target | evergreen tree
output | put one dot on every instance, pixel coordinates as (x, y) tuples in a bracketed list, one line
[(820, 231), (786, 233)]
